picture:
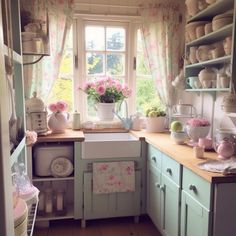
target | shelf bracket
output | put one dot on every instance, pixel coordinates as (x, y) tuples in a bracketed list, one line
[(33, 62)]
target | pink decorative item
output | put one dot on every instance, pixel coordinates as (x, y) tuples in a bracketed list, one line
[(57, 121), (31, 137), (206, 143), (225, 149)]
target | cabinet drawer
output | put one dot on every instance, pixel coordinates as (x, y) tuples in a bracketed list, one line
[(154, 156), (197, 187), (171, 169)]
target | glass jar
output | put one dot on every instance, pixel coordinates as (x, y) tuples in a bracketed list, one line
[(60, 202), (48, 207)]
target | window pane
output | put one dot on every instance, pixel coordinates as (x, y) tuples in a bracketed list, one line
[(115, 39), (146, 94), (94, 38), (115, 64), (94, 63), (142, 67)]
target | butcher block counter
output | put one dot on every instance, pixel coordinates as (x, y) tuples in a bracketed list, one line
[(184, 155)]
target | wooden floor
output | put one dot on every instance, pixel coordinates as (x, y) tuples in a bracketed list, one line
[(104, 227)]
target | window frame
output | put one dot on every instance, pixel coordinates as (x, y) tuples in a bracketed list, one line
[(79, 24)]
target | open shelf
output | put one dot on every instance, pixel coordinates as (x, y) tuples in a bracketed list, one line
[(213, 36), (218, 7), (41, 179), (220, 60), (53, 216)]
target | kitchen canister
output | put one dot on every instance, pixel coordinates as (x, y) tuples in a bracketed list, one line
[(76, 120)]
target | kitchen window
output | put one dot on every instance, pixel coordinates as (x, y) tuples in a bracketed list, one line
[(111, 48)]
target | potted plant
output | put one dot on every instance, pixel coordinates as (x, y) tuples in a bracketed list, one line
[(105, 92), (156, 119)]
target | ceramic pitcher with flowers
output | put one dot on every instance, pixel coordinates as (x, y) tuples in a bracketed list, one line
[(58, 120), (105, 92)]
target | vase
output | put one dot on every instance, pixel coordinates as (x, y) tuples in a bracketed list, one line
[(105, 111), (57, 122)]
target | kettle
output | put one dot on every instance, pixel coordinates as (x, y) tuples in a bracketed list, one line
[(225, 149)]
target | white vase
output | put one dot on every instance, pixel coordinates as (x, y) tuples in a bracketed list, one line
[(105, 111), (155, 124), (57, 122)]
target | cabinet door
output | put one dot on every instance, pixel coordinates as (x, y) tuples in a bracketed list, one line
[(194, 217), (154, 195), (111, 204), (170, 203)]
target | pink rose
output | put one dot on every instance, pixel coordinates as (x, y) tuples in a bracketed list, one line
[(100, 89), (52, 107), (61, 106), (126, 91)]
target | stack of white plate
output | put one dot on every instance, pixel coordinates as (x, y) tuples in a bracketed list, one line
[(20, 218)]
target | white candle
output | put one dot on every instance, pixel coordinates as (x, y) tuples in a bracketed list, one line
[(59, 201)]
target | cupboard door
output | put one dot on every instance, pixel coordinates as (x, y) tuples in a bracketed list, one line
[(154, 195), (170, 203), (111, 204), (194, 217)]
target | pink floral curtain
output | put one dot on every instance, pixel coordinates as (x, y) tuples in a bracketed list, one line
[(162, 30), (41, 76)]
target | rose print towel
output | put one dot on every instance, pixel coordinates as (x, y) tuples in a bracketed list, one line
[(110, 177)]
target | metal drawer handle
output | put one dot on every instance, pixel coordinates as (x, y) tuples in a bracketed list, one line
[(162, 188), (168, 170), (192, 187), (157, 185), (154, 159)]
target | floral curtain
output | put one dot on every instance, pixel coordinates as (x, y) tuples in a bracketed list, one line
[(162, 30), (41, 76)]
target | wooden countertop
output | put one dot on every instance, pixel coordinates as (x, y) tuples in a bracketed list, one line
[(181, 153), (69, 135), (184, 155)]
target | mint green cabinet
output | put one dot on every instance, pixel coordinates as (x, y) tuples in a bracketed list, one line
[(170, 203), (195, 205), (113, 204), (163, 191), (194, 217), (154, 195)]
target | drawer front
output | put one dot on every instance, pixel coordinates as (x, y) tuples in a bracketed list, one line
[(171, 169), (197, 187), (154, 156)]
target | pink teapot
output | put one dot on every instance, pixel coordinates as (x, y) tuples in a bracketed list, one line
[(225, 149)]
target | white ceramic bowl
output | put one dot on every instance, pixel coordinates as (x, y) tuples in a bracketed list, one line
[(178, 137), (196, 132)]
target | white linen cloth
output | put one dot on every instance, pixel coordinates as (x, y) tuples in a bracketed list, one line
[(220, 166), (110, 177)]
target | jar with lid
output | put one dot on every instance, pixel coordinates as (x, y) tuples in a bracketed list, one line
[(48, 207), (60, 202)]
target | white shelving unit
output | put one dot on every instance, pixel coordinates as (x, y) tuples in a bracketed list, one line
[(208, 13)]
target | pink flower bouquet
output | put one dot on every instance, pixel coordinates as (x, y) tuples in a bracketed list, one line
[(59, 106), (197, 128), (106, 90)]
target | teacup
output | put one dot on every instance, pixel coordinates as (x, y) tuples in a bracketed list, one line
[(205, 143), (191, 81)]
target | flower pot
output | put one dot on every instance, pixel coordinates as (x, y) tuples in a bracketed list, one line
[(155, 124), (105, 111)]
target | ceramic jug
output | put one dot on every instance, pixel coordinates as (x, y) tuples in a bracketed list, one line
[(57, 122)]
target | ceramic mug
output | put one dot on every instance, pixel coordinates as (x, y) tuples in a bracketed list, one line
[(191, 81)]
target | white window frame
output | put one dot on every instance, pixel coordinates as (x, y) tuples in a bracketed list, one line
[(79, 24)]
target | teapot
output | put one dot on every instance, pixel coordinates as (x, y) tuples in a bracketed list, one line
[(225, 149)]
